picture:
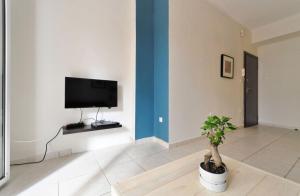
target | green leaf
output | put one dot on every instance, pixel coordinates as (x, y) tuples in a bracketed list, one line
[(225, 119), (231, 126), (214, 128)]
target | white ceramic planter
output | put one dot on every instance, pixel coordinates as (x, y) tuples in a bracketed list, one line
[(213, 182)]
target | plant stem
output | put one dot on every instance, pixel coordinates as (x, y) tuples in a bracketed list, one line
[(207, 158), (215, 155)]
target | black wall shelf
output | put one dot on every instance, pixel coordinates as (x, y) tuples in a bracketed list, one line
[(88, 128)]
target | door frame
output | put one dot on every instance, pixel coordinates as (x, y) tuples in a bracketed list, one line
[(6, 89), (245, 94)]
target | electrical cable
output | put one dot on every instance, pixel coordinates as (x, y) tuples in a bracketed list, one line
[(81, 113), (45, 153), (46, 150), (102, 116), (97, 115)]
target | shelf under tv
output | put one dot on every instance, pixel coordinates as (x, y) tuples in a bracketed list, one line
[(88, 128)]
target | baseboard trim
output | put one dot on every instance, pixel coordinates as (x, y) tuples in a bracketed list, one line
[(50, 155), (183, 142), (161, 142), (194, 139), (144, 140), (264, 123), (153, 139)]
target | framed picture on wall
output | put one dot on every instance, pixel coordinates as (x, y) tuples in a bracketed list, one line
[(227, 66)]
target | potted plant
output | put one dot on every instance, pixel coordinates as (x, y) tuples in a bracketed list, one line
[(213, 172)]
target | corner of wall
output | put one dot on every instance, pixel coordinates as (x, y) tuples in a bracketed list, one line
[(152, 70)]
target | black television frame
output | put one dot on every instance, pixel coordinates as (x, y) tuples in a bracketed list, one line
[(71, 106)]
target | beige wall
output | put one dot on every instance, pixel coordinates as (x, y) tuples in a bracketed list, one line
[(52, 39), (279, 89), (199, 34)]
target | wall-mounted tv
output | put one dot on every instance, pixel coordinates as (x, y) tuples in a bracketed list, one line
[(86, 93)]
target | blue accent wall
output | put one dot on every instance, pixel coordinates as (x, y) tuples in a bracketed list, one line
[(144, 69), (161, 68), (152, 69)]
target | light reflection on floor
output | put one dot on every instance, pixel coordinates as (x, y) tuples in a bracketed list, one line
[(92, 173)]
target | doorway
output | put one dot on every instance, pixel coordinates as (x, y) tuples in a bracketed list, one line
[(250, 90)]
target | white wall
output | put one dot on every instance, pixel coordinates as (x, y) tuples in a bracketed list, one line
[(199, 34), (279, 89), (52, 39)]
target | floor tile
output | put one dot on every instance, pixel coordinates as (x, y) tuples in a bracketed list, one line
[(239, 134), (271, 162), (196, 146), (28, 178), (119, 172), (29, 188), (294, 174), (284, 148), (152, 161), (246, 147), (290, 142), (274, 187), (272, 149), (274, 155), (108, 156), (93, 184), (143, 150), (81, 164), (183, 150), (37, 189), (274, 130), (175, 153), (237, 151)]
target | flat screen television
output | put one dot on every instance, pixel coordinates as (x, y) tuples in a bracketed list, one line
[(87, 93)]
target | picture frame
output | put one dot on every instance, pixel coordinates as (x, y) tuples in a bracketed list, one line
[(227, 66)]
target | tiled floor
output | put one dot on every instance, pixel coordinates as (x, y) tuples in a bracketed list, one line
[(271, 149)]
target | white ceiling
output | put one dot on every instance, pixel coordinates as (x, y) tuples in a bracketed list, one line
[(256, 13)]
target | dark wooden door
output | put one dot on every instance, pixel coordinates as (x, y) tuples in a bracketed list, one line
[(250, 90)]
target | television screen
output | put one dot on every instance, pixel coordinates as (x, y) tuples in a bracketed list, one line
[(85, 93)]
